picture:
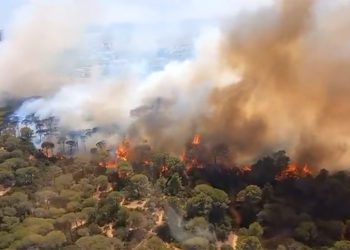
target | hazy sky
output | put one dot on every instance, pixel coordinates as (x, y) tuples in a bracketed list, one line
[(7, 10), (144, 11)]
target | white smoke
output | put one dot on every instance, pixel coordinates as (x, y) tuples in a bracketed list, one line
[(289, 44), (98, 101), (46, 36), (41, 33), (49, 41)]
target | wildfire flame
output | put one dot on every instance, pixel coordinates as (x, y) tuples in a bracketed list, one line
[(196, 139), (187, 157), (111, 164), (108, 164), (183, 156), (246, 169), (122, 151), (294, 171), (163, 170), (307, 170)]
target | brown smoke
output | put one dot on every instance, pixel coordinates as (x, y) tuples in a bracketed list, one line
[(294, 94)]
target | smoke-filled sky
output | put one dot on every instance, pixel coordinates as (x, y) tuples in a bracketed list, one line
[(140, 11), (257, 75), (92, 51)]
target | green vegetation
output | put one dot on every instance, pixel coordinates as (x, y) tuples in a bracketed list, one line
[(3, 114), (161, 202)]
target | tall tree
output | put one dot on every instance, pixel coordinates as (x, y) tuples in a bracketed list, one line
[(174, 185), (26, 133)]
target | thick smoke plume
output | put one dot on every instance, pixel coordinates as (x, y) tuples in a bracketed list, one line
[(42, 32), (294, 92), (295, 87), (276, 78)]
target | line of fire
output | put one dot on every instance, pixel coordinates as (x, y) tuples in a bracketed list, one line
[(196, 155)]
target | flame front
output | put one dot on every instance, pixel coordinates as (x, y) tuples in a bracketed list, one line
[(110, 164), (246, 169), (183, 156), (294, 171), (121, 154), (122, 151), (164, 170), (196, 139), (307, 170)]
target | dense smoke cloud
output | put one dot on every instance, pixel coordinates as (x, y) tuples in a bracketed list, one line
[(294, 90), (42, 32), (295, 87), (272, 79)]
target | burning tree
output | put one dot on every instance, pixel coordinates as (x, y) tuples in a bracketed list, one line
[(294, 171), (195, 153), (196, 139), (123, 150)]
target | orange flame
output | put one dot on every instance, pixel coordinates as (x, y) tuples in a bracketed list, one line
[(246, 169), (163, 170), (196, 139), (108, 164), (183, 156), (111, 164), (122, 151), (307, 170), (189, 159), (294, 171)]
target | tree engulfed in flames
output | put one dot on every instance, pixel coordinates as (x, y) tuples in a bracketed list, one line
[(188, 157), (122, 151), (183, 156), (110, 164), (195, 142), (163, 170), (294, 171), (196, 139), (246, 169), (121, 154)]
